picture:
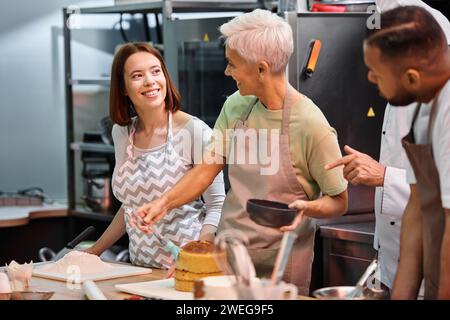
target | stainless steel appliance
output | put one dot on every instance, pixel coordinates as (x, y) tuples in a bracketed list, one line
[(339, 85), (196, 60), (97, 172)]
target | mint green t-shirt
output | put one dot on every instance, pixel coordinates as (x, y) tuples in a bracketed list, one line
[(312, 141)]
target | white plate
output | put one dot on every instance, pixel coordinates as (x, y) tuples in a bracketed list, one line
[(162, 289), (117, 271)]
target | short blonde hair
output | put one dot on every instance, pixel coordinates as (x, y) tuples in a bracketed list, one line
[(260, 35)]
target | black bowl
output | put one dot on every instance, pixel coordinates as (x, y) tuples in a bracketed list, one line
[(270, 213)]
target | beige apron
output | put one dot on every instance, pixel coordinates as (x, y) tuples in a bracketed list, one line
[(247, 182), (433, 214)]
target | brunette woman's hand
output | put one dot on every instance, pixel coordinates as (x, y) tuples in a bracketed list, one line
[(150, 213)]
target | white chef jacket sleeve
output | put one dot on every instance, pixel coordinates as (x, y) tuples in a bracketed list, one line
[(395, 192), (441, 145)]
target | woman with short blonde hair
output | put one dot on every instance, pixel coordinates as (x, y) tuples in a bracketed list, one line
[(258, 47), (260, 35)]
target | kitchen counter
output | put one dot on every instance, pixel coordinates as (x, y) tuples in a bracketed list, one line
[(362, 232), (62, 292), (347, 250), (13, 216)]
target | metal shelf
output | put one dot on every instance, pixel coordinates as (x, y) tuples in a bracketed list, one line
[(95, 147), (91, 81), (80, 213), (175, 6)]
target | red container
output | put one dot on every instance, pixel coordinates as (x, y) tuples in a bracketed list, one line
[(327, 8)]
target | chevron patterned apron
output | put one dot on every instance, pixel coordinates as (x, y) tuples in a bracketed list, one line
[(143, 178)]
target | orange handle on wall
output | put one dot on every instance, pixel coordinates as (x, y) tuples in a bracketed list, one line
[(316, 46)]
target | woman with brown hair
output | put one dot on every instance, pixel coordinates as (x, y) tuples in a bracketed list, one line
[(153, 150)]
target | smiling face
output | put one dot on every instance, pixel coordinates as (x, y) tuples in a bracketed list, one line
[(243, 72), (386, 75), (145, 82)]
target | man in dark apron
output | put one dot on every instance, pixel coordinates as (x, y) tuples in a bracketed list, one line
[(409, 60)]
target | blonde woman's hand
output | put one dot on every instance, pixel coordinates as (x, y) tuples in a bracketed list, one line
[(301, 207), (150, 213)]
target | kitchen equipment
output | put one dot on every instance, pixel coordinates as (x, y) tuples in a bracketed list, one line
[(358, 292), (220, 288), (265, 289), (339, 85), (359, 288), (31, 295), (313, 56), (47, 254), (162, 289), (270, 213), (71, 245), (283, 255), (116, 271), (335, 293), (5, 296), (275, 214), (97, 195), (168, 245), (237, 261), (92, 291), (96, 173), (5, 287), (287, 5), (343, 292), (106, 125)]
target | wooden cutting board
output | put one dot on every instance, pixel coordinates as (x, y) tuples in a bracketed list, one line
[(160, 289), (117, 271)]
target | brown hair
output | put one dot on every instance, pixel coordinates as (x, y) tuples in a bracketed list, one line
[(119, 104), (408, 32)]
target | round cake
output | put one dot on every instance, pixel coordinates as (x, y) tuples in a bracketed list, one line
[(196, 260)]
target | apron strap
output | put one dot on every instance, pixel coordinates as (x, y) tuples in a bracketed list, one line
[(287, 106), (433, 113), (131, 132), (410, 134), (246, 114), (169, 129)]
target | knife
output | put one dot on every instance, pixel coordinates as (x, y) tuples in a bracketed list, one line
[(72, 244)]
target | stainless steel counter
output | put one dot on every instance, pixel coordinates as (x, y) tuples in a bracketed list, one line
[(362, 232), (346, 248)]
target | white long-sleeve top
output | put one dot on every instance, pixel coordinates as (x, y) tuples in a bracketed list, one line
[(189, 142)]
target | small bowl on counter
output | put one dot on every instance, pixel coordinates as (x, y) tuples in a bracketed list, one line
[(344, 293), (31, 295), (5, 296)]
